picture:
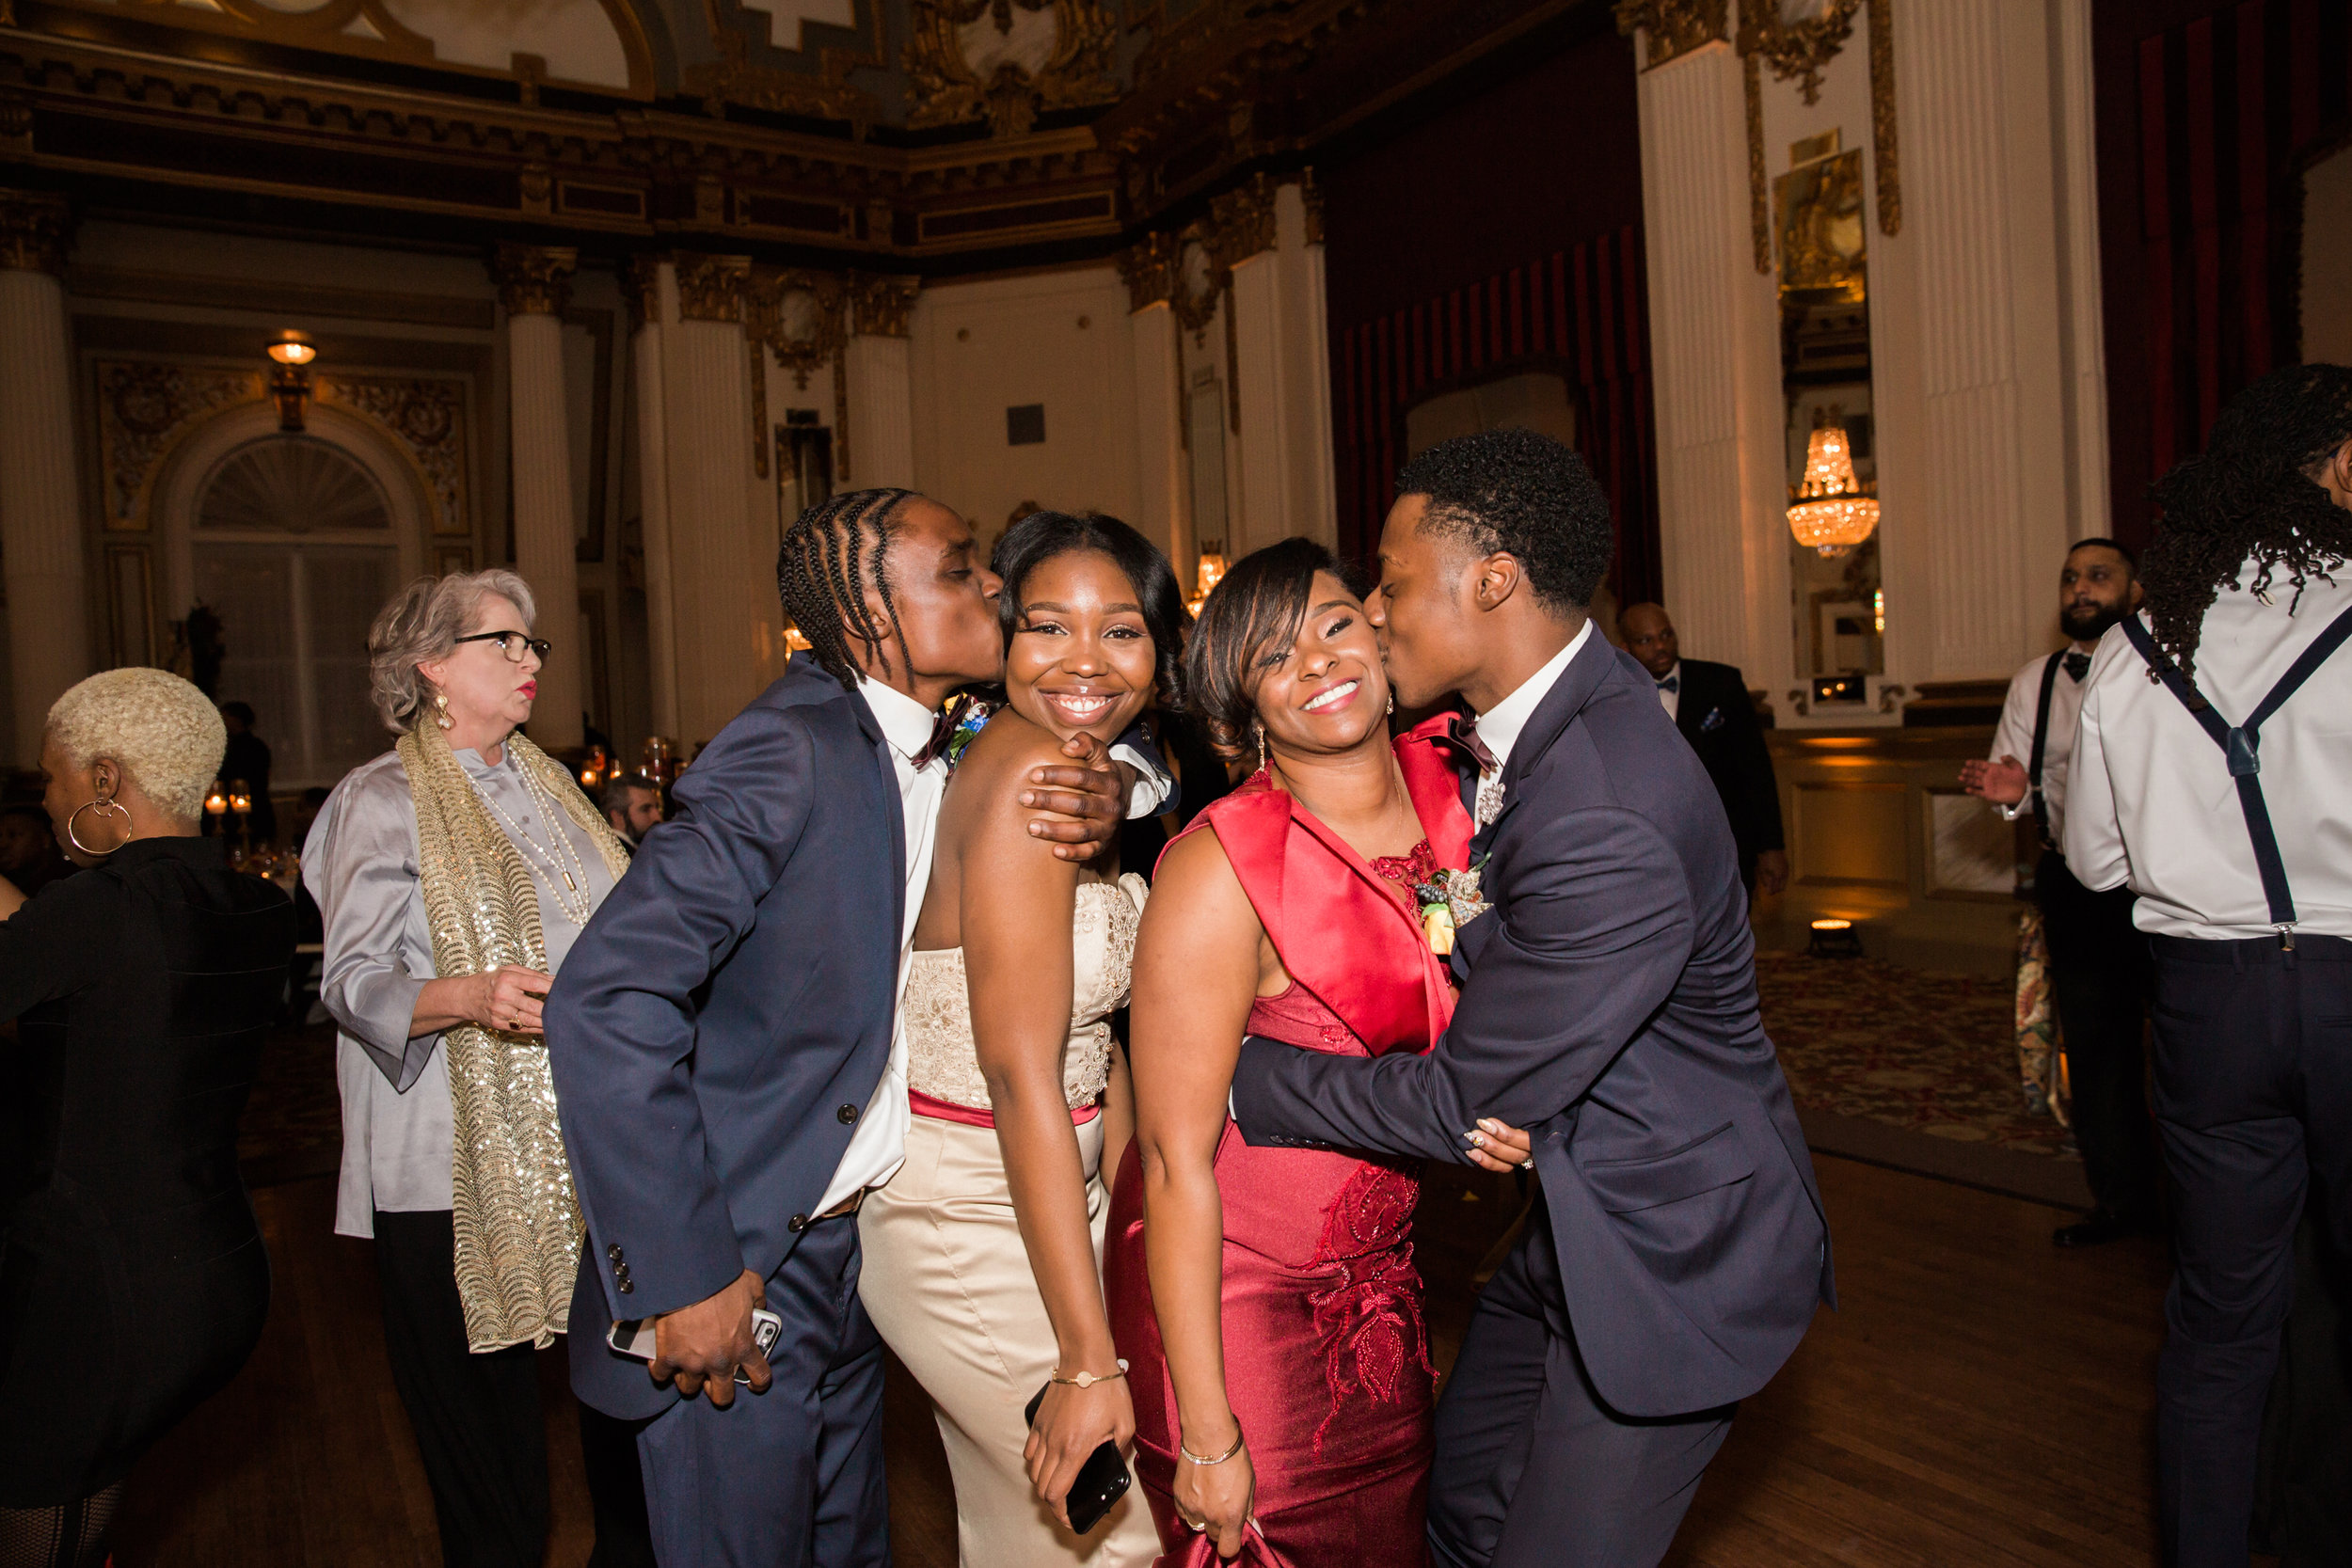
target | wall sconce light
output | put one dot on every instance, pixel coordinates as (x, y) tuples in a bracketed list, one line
[(1835, 938), (290, 382)]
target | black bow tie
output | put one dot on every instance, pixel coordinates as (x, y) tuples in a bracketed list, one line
[(1462, 730), (2077, 664), (1672, 683), (943, 730)]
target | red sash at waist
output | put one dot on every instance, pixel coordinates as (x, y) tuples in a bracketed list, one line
[(973, 1116)]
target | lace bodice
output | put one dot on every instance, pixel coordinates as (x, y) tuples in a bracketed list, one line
[(941, 1058)]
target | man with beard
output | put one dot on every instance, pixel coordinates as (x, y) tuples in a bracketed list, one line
[(2098, 961)]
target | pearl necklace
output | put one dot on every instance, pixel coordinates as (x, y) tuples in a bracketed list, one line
[(573, 899)]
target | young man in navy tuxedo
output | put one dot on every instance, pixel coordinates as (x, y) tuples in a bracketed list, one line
[(1676, 1248)]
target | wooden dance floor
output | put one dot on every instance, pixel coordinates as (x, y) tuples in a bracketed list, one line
[(1982, 1397)]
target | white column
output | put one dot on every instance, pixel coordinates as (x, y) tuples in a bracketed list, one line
[(2082, 295), (1715, 362), (645, 278), (726, 610), (1311, 481), (533, 287), (1979, 189), (40, 524), (879, 363), (1164, 489), (1260, 514)]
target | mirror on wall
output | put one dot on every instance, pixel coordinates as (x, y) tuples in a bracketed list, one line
[(1838, 603)]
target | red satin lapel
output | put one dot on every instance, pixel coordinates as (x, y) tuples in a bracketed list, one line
[(1426, 758)]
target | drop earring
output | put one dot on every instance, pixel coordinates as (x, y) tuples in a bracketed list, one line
[(1261, 748), (1392, 705), (441, 716)]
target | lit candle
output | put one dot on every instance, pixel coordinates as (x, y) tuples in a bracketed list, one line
[(216, 802)]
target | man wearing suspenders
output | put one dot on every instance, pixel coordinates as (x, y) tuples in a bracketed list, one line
[(2212, 774), (2098, 961)]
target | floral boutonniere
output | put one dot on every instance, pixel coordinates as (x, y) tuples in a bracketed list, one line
[(1449, 901), (966, 730)]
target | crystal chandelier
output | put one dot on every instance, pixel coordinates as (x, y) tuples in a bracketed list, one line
[(1832, 511), (1212, 571)]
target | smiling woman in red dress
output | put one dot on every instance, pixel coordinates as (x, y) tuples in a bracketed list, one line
[(1270, 1311)]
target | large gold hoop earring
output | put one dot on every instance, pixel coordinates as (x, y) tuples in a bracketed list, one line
[(102, 804)]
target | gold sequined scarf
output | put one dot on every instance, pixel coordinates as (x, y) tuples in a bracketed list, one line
[(516, 1217)]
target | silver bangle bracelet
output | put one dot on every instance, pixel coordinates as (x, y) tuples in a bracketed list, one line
[(1220, 1458)]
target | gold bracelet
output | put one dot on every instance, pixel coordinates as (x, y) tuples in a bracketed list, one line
[(1220, 1458), (1087, 1379)]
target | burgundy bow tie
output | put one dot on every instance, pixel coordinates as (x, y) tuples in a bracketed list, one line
[(943, 730), (1462, 730)]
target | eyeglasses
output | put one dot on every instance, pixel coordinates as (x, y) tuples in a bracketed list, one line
[(512, 644)]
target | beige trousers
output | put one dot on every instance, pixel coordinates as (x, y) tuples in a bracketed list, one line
[(948, 1281)]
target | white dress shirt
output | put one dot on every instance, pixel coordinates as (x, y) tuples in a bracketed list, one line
[(2152, 802), (1670, 701), (2014, 738), (1500, 724), (879, 1146)]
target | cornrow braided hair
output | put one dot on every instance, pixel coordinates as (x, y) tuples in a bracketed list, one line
[(2251, 495), (830, 555)]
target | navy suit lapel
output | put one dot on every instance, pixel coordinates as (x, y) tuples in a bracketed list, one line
[(894, 803)]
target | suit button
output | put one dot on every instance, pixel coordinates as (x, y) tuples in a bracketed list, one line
[(847, 1115), (620, 1271), (613, 1252), (624, 1286), (797, 1223)]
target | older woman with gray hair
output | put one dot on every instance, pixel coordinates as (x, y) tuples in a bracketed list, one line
[(141, 990), (455, 873)]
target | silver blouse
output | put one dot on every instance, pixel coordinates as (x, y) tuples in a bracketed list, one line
[(361, 863)]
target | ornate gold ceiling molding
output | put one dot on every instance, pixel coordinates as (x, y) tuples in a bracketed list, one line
[(1151, 268), (1888, 163), (534, 280), (883, 307), (710, 287), (33, 228), (945, 81), (1674, 27), (822, 93), (1797, 51), (1241, 221)]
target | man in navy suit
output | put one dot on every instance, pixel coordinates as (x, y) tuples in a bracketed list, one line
[(721, 1038), (1676, 1249)]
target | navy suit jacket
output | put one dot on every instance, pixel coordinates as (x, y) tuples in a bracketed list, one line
[(1610, 1008), (716, 1031)]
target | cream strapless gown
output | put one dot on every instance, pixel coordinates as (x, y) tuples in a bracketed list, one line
[(944, 1276)]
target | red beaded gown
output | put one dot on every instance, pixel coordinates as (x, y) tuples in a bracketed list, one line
[(1326, 1359)]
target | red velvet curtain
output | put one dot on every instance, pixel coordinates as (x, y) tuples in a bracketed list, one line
[(2230, 107), (1580, 312)]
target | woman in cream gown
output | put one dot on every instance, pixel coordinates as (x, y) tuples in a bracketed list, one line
[(982, 1254)]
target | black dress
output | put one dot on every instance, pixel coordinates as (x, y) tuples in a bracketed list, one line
[(133, 1279)]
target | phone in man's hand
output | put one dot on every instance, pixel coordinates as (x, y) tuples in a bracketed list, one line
[(634, 1337)]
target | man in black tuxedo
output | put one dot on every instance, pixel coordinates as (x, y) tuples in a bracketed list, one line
[(1710, 705), (1676, 1249)]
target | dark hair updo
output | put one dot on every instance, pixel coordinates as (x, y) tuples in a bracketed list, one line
[(1041, 536), (1255, 608)]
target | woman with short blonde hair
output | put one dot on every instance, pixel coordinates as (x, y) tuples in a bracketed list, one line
[(140, 989), (453, 873)]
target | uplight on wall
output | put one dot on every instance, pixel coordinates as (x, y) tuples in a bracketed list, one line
[(290, 382)]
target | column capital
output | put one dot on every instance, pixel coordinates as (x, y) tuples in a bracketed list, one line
[(33, 228), (1674, 27), (534, 280), (883, 305), (641, 286), (1151, 268), (710, 287)]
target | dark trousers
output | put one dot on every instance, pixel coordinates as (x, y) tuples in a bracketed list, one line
[(477, 1419), (2253, 1100), (1532, 1467), (792, 1478), (2099, 978)]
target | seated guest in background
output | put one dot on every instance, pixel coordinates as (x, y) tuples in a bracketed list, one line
[(1710, 705), (2098, 960), (136, 1282), (435, 969), (30, 856), (631, 806), (2244, 874), (248, 758)]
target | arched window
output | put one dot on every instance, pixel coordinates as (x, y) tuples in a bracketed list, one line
[(293, 548)]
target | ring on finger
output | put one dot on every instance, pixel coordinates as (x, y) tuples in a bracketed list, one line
[(1199, 1527)]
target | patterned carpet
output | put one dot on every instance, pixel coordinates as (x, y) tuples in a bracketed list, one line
[(1913, 1049)]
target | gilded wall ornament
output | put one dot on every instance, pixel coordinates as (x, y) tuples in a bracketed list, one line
[(534, 280), (799, 315), (710, 287), (1674, 28), (143, 410), (428, 416), (1889, 161), (1151, 268), (33, 228), (1242, 221), (883, 306), (1007, 60), (1797, 50), (641, 286), (822, 94), (1759, 217)]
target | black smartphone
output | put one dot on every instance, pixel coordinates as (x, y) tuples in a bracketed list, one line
[(1102, 1481)]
